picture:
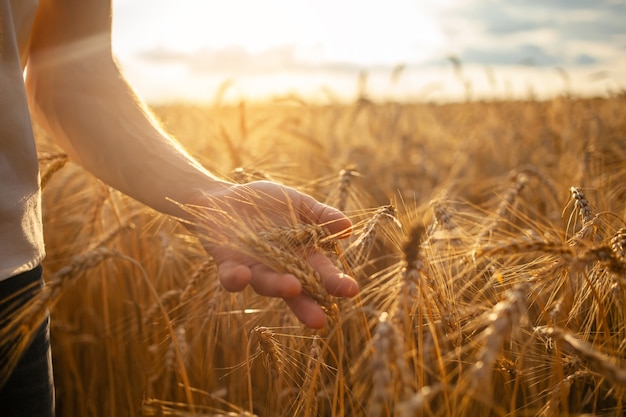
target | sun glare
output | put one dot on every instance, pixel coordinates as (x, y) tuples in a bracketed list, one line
[(347, 31), (188, 48), (274, 42)]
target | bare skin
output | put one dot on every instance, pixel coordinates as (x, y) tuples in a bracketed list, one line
[(78, 94), (277, 205)]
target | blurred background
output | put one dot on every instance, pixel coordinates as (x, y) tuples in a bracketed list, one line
[(323, 50)]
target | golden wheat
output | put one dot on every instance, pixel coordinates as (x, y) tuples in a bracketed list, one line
[(469, 244)]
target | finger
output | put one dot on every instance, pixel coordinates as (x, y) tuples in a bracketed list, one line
[(307, 311), (274, 284), (234, 276), (336, 282), (315, 212)]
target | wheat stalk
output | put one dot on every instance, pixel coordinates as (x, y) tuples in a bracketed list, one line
[(519, 182), (618, 243), (166, 302), (311, 379), (177, 342), (501, 323), (588, 229), (202, 273), (410, 275), (391, 380), (243, 175), (301, 236), (16, 333), (360, 249), (602, 362), (346, 177), (286, 262), (580, 202), (152, 407), (55, 165), (417, 401), (444, 228), (268, 346)]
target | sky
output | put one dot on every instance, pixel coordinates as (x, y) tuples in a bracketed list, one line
[(208, 50)]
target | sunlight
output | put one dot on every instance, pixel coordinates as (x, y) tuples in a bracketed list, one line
[(265, 45), (349, 31), (188, 49)]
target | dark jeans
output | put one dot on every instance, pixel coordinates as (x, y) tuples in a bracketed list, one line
[(29, 391)]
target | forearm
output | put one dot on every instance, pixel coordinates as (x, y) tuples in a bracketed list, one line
[(90, 110)]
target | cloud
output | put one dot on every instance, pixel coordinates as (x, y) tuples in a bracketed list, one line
[(482, 32), (509, 26), (236, 60), (540, 33), (239, 59), (525, 54), (585, 59)]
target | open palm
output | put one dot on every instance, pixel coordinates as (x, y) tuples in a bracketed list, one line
[(249, 209)]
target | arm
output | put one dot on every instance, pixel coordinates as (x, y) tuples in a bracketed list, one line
[(78, 94)]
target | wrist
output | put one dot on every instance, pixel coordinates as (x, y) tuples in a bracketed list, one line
[(208, 195)]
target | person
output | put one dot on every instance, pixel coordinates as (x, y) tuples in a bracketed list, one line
[(57, 70)]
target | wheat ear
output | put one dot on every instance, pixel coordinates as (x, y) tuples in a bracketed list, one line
[(585, 211), (618, 243), (55, 165), (17, 332), (346, 177), (387, 362), (602, 362), (269, 348), (502, 321), (507, 203), (309, 385), (301, 236), (364, 244), (286, 262)]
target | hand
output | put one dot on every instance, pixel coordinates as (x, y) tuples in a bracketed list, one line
[(222, 217)]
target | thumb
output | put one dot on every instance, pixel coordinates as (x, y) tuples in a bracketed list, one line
[(319, 213)]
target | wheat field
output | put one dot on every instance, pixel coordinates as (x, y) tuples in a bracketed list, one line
[(489, 244)]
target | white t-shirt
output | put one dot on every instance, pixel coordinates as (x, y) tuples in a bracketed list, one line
[(21, 237)]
